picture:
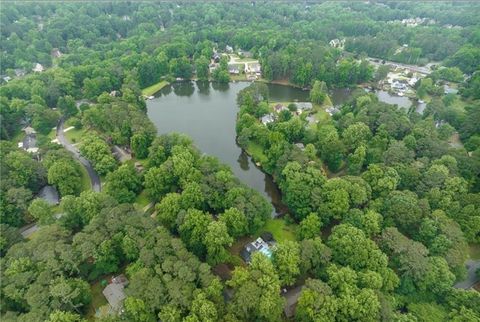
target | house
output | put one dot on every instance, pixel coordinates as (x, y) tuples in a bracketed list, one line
[(332, 110), (216, 57), (267, 119), (337, 43), (258, 245), (19, 72), (301, 146), (280, 107), (50, 195), (29, 130), (311, 119), (114, 93), (56, 53), (38, 68), (233, 69), (449, 90), (303, 106), (254, 68), (228, 49), (412, 81), (115, 293), (399, 86)]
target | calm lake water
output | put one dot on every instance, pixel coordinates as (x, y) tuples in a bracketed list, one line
[(207, 113)]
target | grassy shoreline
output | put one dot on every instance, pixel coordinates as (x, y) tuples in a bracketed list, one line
[(148, 91)]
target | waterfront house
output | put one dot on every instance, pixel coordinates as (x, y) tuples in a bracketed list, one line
[(258, 245), (303, 106), (38, 68)]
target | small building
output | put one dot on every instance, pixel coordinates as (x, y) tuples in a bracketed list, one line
[(228, 49), (267, 119), (280, 107), (19, 72), (6, 78), (233, 69), (29, 142), (337, 43), (332, 110), (216, 57), (115, 293), (38, 68), (258, 245), (50, 195), (254, 68), (56, 53), (114, 93), (301, 146), (399, 86), (29, 130), (303, 106), (449, 90)]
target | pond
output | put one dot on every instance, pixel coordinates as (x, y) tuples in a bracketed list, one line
[(341, 95), (207, 113)]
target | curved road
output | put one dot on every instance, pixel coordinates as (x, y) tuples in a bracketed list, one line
[(94, 178)]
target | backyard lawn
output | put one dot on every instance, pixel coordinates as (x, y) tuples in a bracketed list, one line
[(75, 135), (280, 229), (256, 151), (154, 88), (142, 199), (98, 299)]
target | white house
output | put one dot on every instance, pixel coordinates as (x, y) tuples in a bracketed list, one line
[(38, 68), (337, 43), (267, 119), (303, 106)]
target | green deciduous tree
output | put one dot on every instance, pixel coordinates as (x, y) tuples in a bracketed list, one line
[(286, 258), (41, 211), (65, 175), (216, 241)]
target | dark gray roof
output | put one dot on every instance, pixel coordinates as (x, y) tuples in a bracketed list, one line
[(49, 194)]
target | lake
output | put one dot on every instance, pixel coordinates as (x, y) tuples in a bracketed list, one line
[(207, 113)]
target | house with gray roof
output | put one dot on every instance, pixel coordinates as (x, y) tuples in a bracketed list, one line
[(115, 293)]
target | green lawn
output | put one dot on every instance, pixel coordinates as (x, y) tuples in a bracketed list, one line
[(142, 199), (75, 135), (256, 151), (154, 88), (98, 299), (280, 229), (52, 134)]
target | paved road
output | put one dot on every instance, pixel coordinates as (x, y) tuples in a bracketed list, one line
[(471, 279), (420, 69), (94, 178)]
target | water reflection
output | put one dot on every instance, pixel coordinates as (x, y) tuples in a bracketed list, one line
[(243, 161), (221, 87), (183, 88), (203, 87)]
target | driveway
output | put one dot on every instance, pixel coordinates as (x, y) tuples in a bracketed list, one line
[(471, 279), (94, 178)]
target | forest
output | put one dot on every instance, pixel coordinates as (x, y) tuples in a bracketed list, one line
[(384, 209)]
